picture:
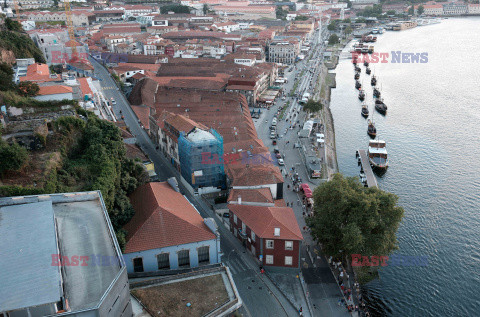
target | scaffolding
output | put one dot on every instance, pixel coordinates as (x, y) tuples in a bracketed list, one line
[(201, 159)]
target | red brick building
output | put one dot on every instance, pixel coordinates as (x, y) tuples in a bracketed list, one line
[(271, 234)]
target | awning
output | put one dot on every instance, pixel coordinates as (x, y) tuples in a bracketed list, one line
[(305, 186), (308, 193)]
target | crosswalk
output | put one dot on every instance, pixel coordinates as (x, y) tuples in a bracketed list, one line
[(110, 88), (236, 266)]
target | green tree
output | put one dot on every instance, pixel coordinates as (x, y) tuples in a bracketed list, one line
[(351, 219), (205, 8), (333, 39), (411, 10), (312, 106), (332, 26), (348, 30), (28, 89), (177, 8), (6, 77), (13, 25), (301, 18), (391, 12), (280, 13), (12, 157), (347, 20), (420, 10), (360, 20)]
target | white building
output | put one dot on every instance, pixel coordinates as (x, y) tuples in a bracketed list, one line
[(473, 8), (455, 8)]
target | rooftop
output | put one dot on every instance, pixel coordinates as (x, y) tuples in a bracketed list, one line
[(264, 220), (163, 217), (35, 227)]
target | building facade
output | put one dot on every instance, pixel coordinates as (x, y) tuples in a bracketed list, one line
[(167, 232), (283, 52)]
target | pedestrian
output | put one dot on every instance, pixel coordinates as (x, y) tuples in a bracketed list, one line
[(341, 274)]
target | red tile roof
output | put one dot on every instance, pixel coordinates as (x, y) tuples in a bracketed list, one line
[(143, 114), (38, 73), (163, 217), (254, 175), (261, 195), (264, 220), (84, 86), (53, 90)]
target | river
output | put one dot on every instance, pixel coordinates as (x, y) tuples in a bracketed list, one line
[(432, 130)]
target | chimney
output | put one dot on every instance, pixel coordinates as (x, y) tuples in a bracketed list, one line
[(239, 199)]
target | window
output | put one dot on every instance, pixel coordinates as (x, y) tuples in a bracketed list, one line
[(277, 232), (163, 260), (244, 228), (183, 258), (235, 218), (204, 255), (269, 259), (253, 235), (269, 244), (288, 260), (138, 265), (288, 245)]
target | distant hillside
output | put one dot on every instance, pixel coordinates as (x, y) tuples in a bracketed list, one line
[(17, 42)]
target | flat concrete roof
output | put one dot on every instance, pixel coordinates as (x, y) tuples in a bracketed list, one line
[(82, 228), (27, 238)]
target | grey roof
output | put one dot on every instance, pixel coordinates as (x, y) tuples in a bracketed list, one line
[(27, 242), (80, 222)]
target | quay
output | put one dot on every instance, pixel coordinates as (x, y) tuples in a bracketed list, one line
[(366, 168)]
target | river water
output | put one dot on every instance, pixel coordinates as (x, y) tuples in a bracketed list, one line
[(432, 130)]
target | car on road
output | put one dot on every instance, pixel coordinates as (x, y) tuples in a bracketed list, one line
[(274, 142), (276, 150), (273, 135), (226, 215), (113, 101), (278, 155), (280, 162)]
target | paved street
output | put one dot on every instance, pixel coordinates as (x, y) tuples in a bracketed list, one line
[(260, 296), (323, 289)]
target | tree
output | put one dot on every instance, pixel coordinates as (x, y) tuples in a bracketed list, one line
[(28, 88), (177, 8), (281, 13), (333, 39), (312, 106), (12, 157), (420, 10), (205, 8), (332, 26), (301, 18), (391, 12), (411, 10), (360, 20), (348, 30), (347, 20), (6, 77), (351, 219), (13, 25)]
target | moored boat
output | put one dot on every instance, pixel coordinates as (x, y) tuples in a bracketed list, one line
[(358, 85), (368, 71), (365, 63), (365, 111), (376, 92), (357, 75), (358, 69), (371, 130), (380, 106), (373, 81), (361, 95), (377, 154)]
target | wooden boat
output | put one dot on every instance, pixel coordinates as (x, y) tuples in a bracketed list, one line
[(357, 76), (377, 154), (365, 111), (373, 81), (361, 95), (376, 93), (368, 71), (380, 106), (357, 84), (371, 130)]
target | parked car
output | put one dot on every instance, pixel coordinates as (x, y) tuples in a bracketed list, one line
[(226, 215), (276, 150), (274, 142), (280, 162), (113, 101), (278, 155), (273, 135)]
